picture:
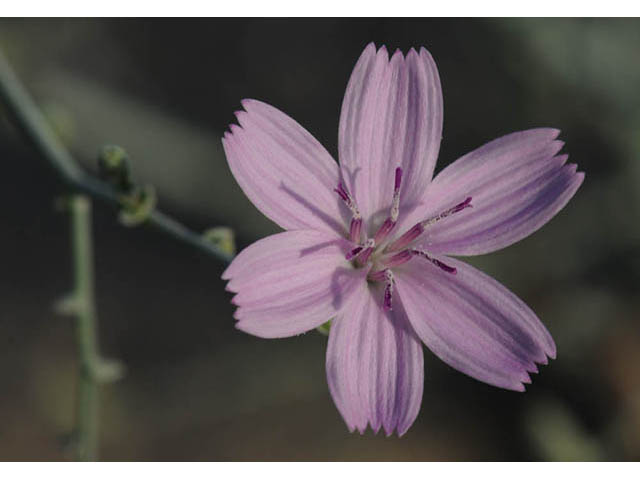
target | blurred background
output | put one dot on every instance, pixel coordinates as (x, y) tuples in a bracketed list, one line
[(196, 388)]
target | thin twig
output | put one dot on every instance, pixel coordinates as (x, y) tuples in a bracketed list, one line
[(31, 122), (84, 311)]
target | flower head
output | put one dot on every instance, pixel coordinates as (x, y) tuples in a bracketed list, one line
[(367, 243)]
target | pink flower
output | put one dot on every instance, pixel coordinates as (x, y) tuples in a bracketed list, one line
[(367, 243)]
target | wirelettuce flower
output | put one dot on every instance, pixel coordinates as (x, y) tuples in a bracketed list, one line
[(367, 242)]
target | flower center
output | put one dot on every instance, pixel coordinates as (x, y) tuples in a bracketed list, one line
[(382, 260)]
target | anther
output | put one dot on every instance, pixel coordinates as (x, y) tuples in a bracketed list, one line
[(362, 252), (343, 193), (347, 199), (408, 237), (388, 290), (435, 261), (390, 222), (395, 205), (353, 253), (378, 276), (390, 262), (355, 228), (384, 230), (368, 250), (397, 259), (418, 229)]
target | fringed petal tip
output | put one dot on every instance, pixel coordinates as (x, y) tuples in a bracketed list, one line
[(387, 432), (373, 49), (375, 366), (392, 108), (291, 282), (426, 54), (475, 324), (285, 172), (518, 183), (525, 377), (236, 128), (248, 103), (226, 275)]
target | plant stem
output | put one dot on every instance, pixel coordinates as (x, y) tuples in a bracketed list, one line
[(30, 121), (84, 309)]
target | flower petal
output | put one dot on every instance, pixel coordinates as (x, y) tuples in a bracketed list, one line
[(291, 282), (517, 184), (473, 323), (375, 365), (283, 170), (391, 116)]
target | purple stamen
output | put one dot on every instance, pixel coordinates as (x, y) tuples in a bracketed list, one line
[(366, 253), (435, 261), (362, 252), (388, 290), (418, 229), (408, 237), (451, 211), (378, 276), (396, 188), (363, 256), (353, 253), (355, 230), (398, 259), (395, 204), (384, 230), (348, 199), (443, 266), (390, 222), (342, 192)]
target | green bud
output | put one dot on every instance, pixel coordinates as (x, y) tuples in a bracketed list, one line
[(114, 167), (223, 238), (137, 205)]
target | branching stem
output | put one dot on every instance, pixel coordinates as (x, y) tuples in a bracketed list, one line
[(93, 370), (30, 121)]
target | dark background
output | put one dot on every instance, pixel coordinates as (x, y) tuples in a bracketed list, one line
[(196, 388)]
